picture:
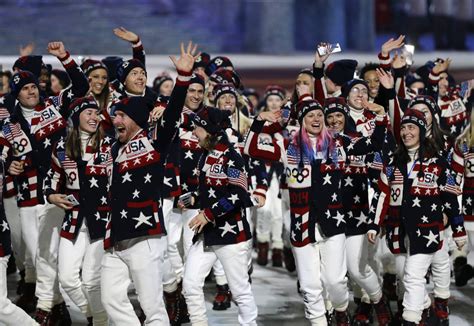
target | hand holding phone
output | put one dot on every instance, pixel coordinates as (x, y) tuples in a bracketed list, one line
[(72, 200), (327, 48)]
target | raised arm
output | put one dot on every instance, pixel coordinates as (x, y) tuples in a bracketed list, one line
[(79, 84), (271, 149), (134, 39), (170, 120)]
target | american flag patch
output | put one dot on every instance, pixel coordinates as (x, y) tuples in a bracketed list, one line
[(451, 185), (12, 131), (237, 177)]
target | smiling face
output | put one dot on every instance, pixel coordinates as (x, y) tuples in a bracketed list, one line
[(227, 101), (336, 121), (373, 81), (135, 82), (426, 111), (194, 96), (125, 126), (305, 79), (443, 84), (410, 134), (273, 103), (89, 120), (356, 96), (166, 88), (98, 79), (29, 96), (313, 122), (56, 86)]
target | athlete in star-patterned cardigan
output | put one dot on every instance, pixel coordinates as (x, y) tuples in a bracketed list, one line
[(138, 173), (31, 142)]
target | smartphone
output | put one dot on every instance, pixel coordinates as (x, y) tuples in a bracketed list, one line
[(72, 200), (186, 199), (408, 52), (333, 48)]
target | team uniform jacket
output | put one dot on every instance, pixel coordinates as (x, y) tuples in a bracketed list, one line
[(453, 117), (5, 240), (463, 166), (315, 189), (87, 181), (137, 177), (413, 207), (34, 144), (223, 194)]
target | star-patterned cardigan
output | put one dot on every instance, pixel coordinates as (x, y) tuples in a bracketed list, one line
[(315, 190), (223, 194), (137, 176), (5, 241), (34, 144), (413, 206), (87, 181), (463, 166)]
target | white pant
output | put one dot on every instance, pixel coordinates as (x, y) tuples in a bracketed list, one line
[(10, 314), (74, 256), (47, 281), (142, 263), (269, 217), (358, 267), (177, 227), (441, 272), (198, 264), (308, 267), (286, 215), (334, 270), (416, 297), (12, 213), (29, 220)]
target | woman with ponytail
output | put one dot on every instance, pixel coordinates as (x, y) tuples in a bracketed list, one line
[(314, 162)]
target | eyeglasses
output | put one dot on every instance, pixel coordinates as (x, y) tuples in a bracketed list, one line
[(357, 91)]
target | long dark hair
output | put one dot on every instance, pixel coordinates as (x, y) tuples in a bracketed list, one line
[(428, 149), (73, 142)]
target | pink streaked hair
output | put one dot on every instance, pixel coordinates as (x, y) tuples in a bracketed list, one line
[(324, 141)]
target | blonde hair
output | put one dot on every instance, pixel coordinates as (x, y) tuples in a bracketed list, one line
[(467, 136)]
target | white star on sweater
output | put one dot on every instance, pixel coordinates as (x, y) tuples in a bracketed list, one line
[(142, 219), (212, 193), (416, 202), (136, 193), (327, 179), (424, 219), (433, 207), (431, 238), (123, 214), (233, 198), (103, 200), (334, 197), (167, 182), (348, 182), (227, 228), (339, 218), (147, 178), (459, 229), (47, 142), (93, 182), (5, 226), (362, 219), (188, 155), (356, 199), (126, 177)]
